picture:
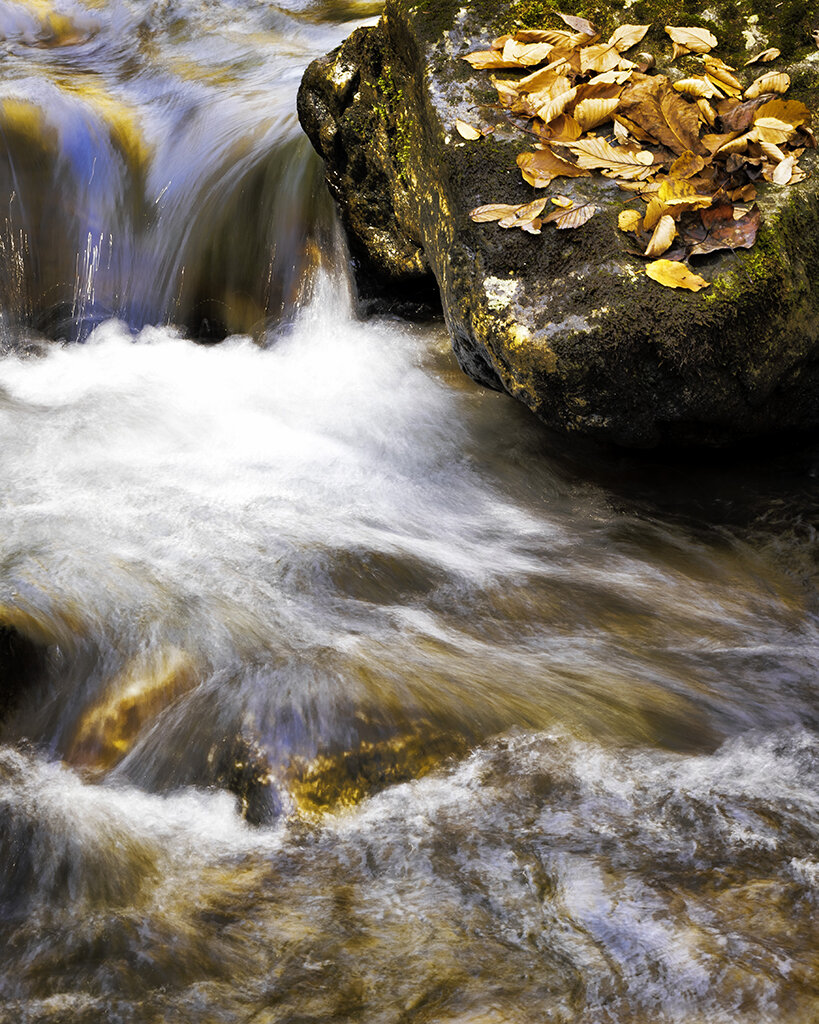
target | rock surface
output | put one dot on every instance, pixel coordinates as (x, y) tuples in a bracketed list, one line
[(567, 322)]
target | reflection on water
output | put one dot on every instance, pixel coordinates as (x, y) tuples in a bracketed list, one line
[(332, 687)]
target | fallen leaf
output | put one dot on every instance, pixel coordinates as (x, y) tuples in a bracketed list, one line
[(791, 111), (691, 40), (720, 74), (652, 103), (495, 211), (562, 201), (558, 105), (773, 81), (707, 112), (679, 192), (675, 275), (626, 36), (772, 130), (524, 216), (573, 218), (593, 112), (613, 162), (728, 233), (783, 171), (564, 128), (466, 130), (663, 236), (738, 117), (764, 57), (578, 24), (554, 36), (686, 165), (655, 210), (542, 167), (526, 55), (629, 220), (699, 88), (483, 60), (600, 57)]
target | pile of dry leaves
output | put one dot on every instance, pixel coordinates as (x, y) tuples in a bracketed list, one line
[(690, 150)]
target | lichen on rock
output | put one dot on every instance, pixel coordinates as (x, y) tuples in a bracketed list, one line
[(567, 322)]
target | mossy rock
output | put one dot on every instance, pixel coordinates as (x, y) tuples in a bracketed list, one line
[(567, 322)]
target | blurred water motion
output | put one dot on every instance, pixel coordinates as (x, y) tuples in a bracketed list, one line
[(333, 689)]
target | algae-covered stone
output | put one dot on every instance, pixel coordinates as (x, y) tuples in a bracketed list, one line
[(567, 321)]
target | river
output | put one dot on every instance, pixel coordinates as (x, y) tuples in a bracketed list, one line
[(355, 695)]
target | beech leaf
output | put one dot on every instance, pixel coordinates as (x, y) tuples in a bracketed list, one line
[(466, 130), (764, 57), (662, 113), (593, 112), (575, 217), (483, 60), (663, 236), (720, 74), (614, 162), (629, 220), (562, 201), (675, 275), (542, 167), (494, 211), (626, 36), (727, 233), (691, 40), (773, 81), (578, 24), (791, 111)]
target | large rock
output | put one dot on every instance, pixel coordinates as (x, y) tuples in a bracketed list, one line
[(567, 322)]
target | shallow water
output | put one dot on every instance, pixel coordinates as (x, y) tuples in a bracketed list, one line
[(358, 696)]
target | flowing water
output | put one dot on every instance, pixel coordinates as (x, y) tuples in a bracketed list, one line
[(347, 693)]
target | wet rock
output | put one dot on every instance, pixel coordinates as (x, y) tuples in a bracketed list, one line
[(567, 322), (241, 766)]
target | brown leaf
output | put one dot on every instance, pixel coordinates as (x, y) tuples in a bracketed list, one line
[(663, 236), (772, 81), (699, 88), (738, 117), (526, 54), (727, 233), (629, 220), (675, 275), (691, 40), (554, 36), (764, 57), (707, 112), (652, 103), (542, 167), (466, 130), (613, 162), (573, 218)]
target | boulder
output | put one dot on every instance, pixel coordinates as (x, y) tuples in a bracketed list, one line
[(567, 321)]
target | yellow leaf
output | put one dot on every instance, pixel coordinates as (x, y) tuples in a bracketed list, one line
[(783, 171), (466, 130), (771, 129), (656, 209), (699, 88), (674, 191), (707, 112), (691, 40), (790, 111), (609, 78), (773, 81), (573, 218), (613, 162), (686, 165), (663, 236), (591, 113), (562, 201), (764, 57), (564, 128), (675, 275), (626, 36), (629, 220), (542, 167), (720, 74)]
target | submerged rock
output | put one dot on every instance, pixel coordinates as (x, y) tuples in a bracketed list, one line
[(567, 322)]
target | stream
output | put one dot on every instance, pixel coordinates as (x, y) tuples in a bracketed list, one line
[(349, 693)]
